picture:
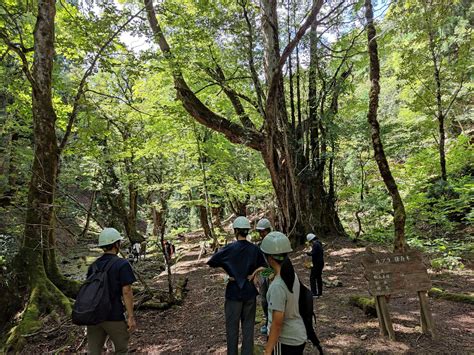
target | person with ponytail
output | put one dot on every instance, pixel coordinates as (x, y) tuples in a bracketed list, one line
[(287, 332)]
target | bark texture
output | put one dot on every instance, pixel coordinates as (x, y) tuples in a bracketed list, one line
[(379, 153)]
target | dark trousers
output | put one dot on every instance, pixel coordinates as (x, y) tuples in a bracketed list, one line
[(282, 349), (315, 278), (116, 330), (236, 313)]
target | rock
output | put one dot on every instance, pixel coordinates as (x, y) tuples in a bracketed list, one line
[(333, 283)]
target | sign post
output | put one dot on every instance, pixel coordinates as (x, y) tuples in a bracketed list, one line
[(397, 273)]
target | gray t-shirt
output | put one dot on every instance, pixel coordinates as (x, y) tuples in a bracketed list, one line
[(280, 299)]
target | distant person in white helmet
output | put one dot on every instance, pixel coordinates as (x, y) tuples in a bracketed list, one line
[(287, 334), (317, 257), (263, 228), (241, 260)]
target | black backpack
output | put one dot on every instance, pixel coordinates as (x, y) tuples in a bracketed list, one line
[(305, 304), (93, 304)]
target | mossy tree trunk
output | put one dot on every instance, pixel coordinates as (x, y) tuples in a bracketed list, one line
[(43, 297), (379, 153)]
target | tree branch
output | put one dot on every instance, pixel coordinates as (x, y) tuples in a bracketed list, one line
[(87, 73), (119, 99), (201, 113), (456, 93), (273, 84), (21, 54), (218, 75), (251, 60)]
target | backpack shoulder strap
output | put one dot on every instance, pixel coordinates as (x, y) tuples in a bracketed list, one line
[(110, 263)]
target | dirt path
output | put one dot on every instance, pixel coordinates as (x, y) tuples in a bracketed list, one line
[(198, 325)]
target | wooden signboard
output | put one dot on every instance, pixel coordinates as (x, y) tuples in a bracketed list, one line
[(397, 273)]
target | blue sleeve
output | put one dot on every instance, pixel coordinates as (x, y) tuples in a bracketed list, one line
[(217, 260), (127, 277)]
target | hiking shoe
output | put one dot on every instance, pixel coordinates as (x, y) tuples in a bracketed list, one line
[(264, 330)]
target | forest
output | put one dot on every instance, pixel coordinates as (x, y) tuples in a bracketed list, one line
[(166, 119)]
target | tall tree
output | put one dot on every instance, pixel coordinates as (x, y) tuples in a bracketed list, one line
[(43, 295), (36, 261), (379, 153), (435, 40), (302, 197)]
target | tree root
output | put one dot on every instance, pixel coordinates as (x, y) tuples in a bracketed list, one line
[(45, 299), (162, 304), (367, 304), (67, 286), (455, 297)]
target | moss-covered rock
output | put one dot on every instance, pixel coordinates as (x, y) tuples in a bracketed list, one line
[(455, 297), (367, 304)]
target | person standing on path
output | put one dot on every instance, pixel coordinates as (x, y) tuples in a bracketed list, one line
[(317, 256), (287, 334), (241, 260), (120, 278), (263, 228)]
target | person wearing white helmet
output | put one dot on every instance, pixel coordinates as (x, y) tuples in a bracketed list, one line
[(263, 228), (241, 260), (120, 278), (317, 256), (287, 333)]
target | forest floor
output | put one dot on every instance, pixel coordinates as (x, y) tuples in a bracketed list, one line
[(197, 326)]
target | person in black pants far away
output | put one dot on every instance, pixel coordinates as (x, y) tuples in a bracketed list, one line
[(317, 256)]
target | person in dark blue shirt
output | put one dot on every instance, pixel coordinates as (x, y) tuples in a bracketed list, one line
[(120, 277), (241, 260), (317, 256)]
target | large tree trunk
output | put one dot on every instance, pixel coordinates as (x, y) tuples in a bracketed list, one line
[(302, 198), (381, 159), (204, 219), (43, 296)]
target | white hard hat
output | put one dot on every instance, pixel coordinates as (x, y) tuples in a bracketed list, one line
[(241, 223), (276, 243), (310, 237), (109, 236), (263, 224)]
